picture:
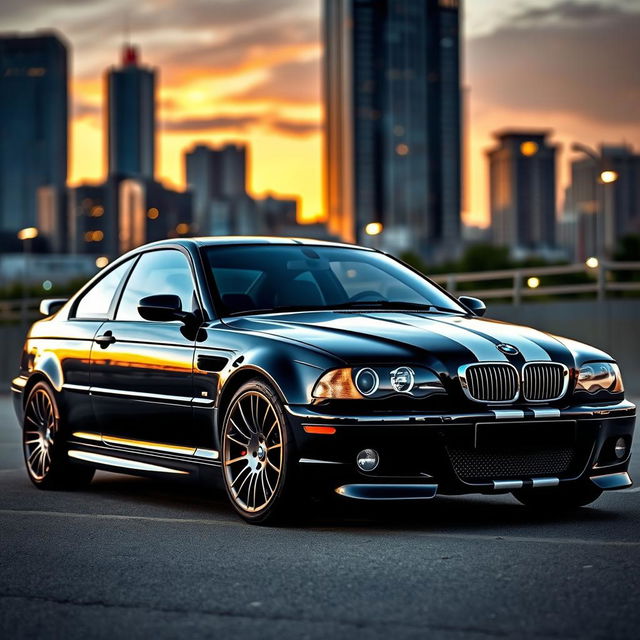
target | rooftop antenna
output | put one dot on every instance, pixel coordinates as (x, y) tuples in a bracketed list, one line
[(129, 52)]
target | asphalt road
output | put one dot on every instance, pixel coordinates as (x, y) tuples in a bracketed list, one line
[(137, 558)]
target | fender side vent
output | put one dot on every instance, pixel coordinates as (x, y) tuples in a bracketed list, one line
[(211, 363)]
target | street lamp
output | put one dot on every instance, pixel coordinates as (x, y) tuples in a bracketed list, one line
[(373, 229), (605, 225), (26, 235), (608, 176)]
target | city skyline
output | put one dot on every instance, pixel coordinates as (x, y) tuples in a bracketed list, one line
[(251, 73)]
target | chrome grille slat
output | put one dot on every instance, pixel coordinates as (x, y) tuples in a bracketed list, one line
[(491, 382), (544, 381)]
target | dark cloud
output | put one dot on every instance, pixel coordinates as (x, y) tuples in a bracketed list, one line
[(295, 128), (217, 123), (81, 109), (295, 81), (569, 11), (576, 57)]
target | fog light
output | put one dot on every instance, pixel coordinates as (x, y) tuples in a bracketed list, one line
[(620, 448), (367, 460)]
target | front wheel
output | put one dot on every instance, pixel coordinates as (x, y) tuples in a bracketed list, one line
[(45, 452), (256, 455), (562, 498)]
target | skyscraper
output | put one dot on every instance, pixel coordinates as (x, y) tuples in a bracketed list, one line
[(216, 175), (33, 125), (131, 120), (393, 113), (522, 191)]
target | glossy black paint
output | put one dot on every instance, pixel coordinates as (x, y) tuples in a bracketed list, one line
[(168, 383)]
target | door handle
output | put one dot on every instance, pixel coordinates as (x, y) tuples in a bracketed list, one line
[(105, 340)]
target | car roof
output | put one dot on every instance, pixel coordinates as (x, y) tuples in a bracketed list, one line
[(212, 241)]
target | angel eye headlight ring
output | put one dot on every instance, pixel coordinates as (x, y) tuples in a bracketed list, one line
[(367, 381)]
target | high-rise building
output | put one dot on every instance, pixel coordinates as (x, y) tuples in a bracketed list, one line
[(131, 120), (605, 209), (522, 191), (216, 175), (393, 111), (33, 126)]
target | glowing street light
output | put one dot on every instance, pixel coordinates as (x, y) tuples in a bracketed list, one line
[(102, 261), (533, 282), (28, 233), (373, 229), (592, 262), (608, 176)]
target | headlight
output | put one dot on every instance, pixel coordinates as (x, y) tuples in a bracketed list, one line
[(377, 382), (600, 376)]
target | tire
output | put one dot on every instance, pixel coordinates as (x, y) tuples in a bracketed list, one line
[(258, 463), (562, 498), (44, 446)]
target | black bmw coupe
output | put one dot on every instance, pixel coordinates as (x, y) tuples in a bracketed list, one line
[(287, 368)]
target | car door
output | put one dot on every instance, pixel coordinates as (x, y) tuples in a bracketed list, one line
[(141, 370), (74, 340)]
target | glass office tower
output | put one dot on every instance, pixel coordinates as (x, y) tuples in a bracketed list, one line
[(393, 113)]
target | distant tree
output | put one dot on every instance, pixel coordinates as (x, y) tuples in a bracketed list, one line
[(628, 248), (485, 257)]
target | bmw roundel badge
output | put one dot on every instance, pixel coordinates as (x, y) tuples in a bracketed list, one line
[(507, 349)]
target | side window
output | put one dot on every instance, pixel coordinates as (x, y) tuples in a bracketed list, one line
[(96, 302), (157, 272)]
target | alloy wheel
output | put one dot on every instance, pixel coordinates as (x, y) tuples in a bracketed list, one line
[(40, 428), (253, 451)]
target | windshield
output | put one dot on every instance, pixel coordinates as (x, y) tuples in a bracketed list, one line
[(269, 278)]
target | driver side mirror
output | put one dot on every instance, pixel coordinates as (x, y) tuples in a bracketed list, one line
[(161, 308), (475, 305)]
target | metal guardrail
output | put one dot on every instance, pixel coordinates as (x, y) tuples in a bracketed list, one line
[(19, 310), (14, 311), (602, 284)]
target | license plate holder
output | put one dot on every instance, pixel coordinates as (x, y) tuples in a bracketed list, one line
[(547, 434)]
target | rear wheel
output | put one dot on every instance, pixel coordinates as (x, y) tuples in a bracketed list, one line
[(256, 452), (43, 444), (562, 498)]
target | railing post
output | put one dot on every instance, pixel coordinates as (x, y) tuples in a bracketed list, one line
[(517, 287), (451, 284), (602, 281)]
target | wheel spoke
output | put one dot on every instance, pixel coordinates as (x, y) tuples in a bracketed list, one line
[(275, 446), (247, 468), (265, 476), (242, 444), (248, 477), (33, 453), (234, 460), (273, 466), (244, 418), (239, 430), (273, 426)]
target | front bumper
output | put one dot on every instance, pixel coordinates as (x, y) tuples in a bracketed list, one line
[(489, 451)]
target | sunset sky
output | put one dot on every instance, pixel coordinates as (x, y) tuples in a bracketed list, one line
[(250, 70)]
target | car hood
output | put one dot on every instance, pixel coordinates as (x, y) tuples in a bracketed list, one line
[(442, 341)]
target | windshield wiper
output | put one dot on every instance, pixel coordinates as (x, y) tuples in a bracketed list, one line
[(393, 304), (297, 307), (358, 304)]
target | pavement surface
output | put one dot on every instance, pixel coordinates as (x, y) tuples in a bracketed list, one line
[(138, 558)]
